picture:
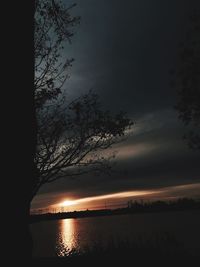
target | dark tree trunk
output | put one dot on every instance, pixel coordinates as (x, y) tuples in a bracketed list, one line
[(18, 125), (18, 129), (23, 244)]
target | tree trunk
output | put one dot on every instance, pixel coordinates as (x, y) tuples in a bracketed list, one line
[(18, 128), (26, 140)]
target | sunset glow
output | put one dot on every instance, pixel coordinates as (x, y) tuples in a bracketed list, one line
[(67, 203), (106, 200), (114, 196)]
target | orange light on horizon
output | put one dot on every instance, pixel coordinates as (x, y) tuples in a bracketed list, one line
[(169, 192), (114, 196), (67, 203)]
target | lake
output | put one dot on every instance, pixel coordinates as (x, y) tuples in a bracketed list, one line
[(60, 237)]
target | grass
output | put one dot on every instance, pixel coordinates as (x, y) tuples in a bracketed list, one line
[(160, 250)]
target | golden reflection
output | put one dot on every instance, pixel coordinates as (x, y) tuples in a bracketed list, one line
[(66, 241)]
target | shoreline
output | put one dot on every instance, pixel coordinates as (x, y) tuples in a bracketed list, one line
[(136, 208)]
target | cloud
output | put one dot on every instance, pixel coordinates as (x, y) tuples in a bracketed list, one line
[(153, 156), (162, 193), (125, 51)]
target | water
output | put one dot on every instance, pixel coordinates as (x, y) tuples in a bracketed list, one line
[(60, 237)]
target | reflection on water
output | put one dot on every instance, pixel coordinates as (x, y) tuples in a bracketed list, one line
[(66, 241), (65, 236)]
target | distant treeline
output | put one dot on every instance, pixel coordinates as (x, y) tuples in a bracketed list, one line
[(132, 207)]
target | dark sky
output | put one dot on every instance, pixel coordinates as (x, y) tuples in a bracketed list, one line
[(124, 50)]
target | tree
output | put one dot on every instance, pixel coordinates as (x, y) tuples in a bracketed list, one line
[(188, 83), (53, 27), (70, 136)]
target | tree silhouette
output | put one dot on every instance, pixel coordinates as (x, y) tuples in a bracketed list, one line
[(53, 27), (70, 135), (188, 83)]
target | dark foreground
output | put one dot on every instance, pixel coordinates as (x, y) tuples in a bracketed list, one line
[(115, 259), (161, 251)]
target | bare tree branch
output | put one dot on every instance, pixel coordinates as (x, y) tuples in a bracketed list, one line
[(71, 136)]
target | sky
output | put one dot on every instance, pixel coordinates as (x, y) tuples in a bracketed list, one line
[(124, 51)]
